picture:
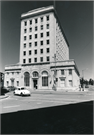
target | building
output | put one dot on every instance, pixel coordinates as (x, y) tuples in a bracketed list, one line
[(44, 54)]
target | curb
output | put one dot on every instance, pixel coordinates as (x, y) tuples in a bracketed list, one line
[(5, 96)]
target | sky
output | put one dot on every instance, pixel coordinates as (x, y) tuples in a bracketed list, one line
[(76, 18)]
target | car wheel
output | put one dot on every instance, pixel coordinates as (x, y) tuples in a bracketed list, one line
[(21, 94)]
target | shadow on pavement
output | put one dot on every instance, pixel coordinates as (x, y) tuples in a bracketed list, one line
[(65, 119)]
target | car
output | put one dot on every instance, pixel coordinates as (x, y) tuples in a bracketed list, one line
[(11, 88), (22, 91)]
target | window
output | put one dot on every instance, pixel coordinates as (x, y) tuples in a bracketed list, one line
[(7, 73), (41, 19), (30, 21), (35, 43), (36, 20), (47, 33), (41, 50), (47, 17), (62, 72), (17, 83), (41, 27), (30, 36), (48, 50), (36, 28), (47, 26), (26, 79), (17, 73), (48, 59), (70, 82), (7, 83), (41, 42), (24, 37), (25, 30), (30, 44), (35, 74), (25, 23), (44, 78), (41, 59), (48, 42), (30, 52), (24, 60), (35, 51), (70, 71), (12, 73), (24, 45), (41, 34), (30, 29), (35, 59), (35, 35), (24, 53), (29, 60)]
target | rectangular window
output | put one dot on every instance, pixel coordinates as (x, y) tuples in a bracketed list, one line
[(35, 43), (41, 59), (35, 35), (48, 59), (70, 82), (24, 45), (48, 42), (24, 53), (48, 50), (41, 19), (12, 73), (24, 60), (30, 29), (62, 72), (30, 21), (41, 27), (41, 34), (36, 20), (47, 17), (29, 60), (45, 81), (30, 44), (36, 28), (25, 30), (35, 59), (30, 36), (30, 52), (47, 33), (17, 83), (41, 50), (24, 37), (41, 42), (70, 71), (25, 23), (7, 83), (35, 51), (47, 26)]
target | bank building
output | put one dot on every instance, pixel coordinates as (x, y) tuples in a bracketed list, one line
[(44, 62)]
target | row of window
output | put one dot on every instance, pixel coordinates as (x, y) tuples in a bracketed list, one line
[(36, 35), (36, 43), (70, 72), (36, 28), (13, 73), (35, 59), (12, 83), (35, 51), (36, 20)]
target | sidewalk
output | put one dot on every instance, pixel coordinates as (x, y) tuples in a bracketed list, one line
[(3, 96)]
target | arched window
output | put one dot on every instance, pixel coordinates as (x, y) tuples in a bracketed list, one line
[(35, 74), (26, 79), (44, 78)]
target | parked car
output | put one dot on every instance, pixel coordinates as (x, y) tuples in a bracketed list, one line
[(22, 91), (11, 88), (3, 90)]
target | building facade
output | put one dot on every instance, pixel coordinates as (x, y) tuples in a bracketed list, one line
[(44, 54)]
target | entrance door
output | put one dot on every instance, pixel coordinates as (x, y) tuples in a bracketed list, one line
[(35, 83), (62, 82)]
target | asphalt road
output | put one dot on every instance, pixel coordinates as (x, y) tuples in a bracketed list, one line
[(16, 103)]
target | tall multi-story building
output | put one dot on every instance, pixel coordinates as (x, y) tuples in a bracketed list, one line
[(44, 54)]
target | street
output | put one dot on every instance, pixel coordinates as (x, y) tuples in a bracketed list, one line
[(41, 100)]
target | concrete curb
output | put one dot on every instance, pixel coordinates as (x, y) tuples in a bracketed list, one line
[(5, 96)]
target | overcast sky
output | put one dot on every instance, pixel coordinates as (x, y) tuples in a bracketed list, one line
[(76, 19)]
